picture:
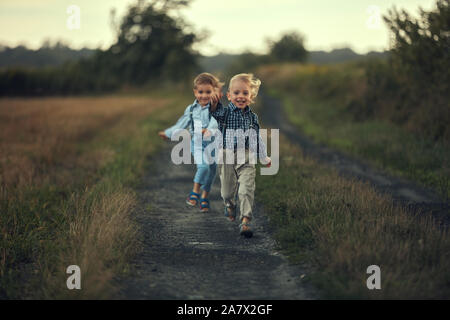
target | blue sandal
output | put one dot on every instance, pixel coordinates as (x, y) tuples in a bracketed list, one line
[(204, 206), (191, 197), (230, 215)]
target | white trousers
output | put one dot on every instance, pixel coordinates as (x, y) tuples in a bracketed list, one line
[(239, 178)]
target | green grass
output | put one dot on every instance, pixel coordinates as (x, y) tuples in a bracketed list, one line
[(385, 145), (336, 228)]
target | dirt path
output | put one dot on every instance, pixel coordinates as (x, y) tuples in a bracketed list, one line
[(406, 193), (192, 255)]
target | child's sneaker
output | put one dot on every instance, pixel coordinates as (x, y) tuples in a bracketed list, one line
[(230, 212), (245, 230)]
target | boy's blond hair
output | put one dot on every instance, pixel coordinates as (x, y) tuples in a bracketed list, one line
[(248, 78), (207, 78)]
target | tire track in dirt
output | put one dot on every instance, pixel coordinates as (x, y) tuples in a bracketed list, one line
[(192, 255)]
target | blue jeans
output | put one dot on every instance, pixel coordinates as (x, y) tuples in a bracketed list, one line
[(205, 173)]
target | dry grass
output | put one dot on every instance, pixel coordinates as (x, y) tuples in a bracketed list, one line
[(64, 168), (101, 237), (341, 226), (38, 136)]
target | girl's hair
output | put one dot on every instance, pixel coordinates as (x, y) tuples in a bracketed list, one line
[(207, 78), (248, 78)]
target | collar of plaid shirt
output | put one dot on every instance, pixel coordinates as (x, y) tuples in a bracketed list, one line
[(234, 108)]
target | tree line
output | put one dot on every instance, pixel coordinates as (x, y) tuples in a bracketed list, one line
[(151, 45), (409, 85)]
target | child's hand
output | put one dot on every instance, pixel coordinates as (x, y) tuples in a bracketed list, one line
[(206, 133), (268, 162), (214, 101), (215, 98), (163, 135), (218, 93)]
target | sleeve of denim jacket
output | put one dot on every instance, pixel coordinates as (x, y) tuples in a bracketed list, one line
[(182, 123), (213, 124)]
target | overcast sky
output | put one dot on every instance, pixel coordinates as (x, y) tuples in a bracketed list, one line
[(233, 25)]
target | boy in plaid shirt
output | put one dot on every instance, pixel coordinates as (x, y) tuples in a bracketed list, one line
[(241, 143)]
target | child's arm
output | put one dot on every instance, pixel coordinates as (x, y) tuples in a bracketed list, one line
[(218, 113), (212, 126), (262, 146), (215, 99), (182, 123), (163, 135)]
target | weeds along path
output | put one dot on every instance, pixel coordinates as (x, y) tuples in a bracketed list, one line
[(187, 254), (406, 193)]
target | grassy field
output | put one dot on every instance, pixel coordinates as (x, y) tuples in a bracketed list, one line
[(336, 228), (67, 171), (69, 167), (323, 102)]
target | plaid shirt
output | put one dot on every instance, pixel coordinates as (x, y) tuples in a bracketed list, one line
[(245, 120)]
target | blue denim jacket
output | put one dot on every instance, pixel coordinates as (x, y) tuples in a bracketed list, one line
[(199, 114)]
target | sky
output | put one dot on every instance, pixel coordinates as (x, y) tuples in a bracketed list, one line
[(232, 26)]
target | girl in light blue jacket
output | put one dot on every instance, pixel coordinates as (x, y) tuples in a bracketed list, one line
[(207, 90)]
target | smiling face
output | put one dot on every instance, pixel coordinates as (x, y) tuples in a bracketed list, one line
[(240, 94), (203, 93)]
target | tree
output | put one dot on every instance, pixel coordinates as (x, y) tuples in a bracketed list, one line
[(418, 71), (289, 48), (421, 47), (151, 44)]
